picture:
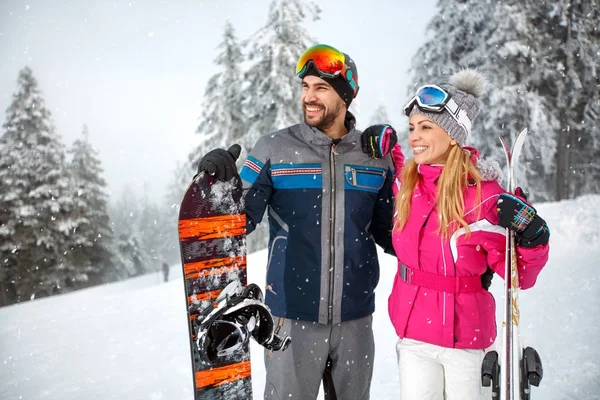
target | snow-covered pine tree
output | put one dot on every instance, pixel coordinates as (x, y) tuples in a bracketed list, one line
[(573, 89), (130, 254), (222, 121), (272, 90), (34, 198), (181, 178), (380, 115), (457, 36), (222, 124), (125, 216), (457, 39), (152, 231), (520, 46), (92, 255), (516, 65), (589, 165), (166, 242)]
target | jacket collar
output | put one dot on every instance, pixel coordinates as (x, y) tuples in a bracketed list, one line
[(488, 169), (430, 173), (318, 138)]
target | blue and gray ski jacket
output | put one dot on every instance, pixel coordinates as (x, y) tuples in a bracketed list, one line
[(327, 205)]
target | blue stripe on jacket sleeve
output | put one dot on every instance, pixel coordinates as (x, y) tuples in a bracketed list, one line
[(258, 195), (251, 169)]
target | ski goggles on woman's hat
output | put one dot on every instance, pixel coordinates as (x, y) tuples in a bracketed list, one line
[(434, 99), (329, 62)]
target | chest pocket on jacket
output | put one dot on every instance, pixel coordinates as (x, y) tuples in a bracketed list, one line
[(370, 179)]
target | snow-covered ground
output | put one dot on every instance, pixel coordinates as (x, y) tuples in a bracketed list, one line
[(128, 340)]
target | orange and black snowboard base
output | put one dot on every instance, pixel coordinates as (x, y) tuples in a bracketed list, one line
[(212, 227)]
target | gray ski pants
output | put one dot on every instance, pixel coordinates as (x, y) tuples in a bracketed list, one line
[(296, 373)]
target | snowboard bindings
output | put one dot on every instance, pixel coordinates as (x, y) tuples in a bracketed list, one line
[(240, 314)]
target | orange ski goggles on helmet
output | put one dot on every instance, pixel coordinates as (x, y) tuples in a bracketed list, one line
[(329, 62)]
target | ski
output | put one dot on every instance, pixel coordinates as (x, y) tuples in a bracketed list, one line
[(212, 237), (511, 373), (511, 346)]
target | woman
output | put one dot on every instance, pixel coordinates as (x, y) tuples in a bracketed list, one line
[(451, 215)]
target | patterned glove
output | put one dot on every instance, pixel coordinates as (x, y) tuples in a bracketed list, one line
[(515, 214), (221, 163), (378, 140)]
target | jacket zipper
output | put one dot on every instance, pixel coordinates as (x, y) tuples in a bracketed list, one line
[(332, 154), (364, 171)]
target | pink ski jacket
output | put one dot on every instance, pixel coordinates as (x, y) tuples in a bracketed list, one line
[(455, 318)]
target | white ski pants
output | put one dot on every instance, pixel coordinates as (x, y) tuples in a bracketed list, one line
[(430, 372)]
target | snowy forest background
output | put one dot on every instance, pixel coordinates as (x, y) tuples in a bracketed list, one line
[(60, 231)]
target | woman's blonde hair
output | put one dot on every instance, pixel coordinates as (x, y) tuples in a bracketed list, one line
[(459, 171)]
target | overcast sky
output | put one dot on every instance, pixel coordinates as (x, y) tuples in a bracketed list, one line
[(134, 71)]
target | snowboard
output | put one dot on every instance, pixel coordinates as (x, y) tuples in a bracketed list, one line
[(212, 238)]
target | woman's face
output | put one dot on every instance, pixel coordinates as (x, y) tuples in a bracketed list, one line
[(430, 143)]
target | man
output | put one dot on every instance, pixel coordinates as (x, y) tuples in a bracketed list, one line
[(327, 203)]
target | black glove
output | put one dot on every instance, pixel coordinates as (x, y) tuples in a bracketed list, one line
[(221, 163), (515, 214), (486, 278), (378, 140)]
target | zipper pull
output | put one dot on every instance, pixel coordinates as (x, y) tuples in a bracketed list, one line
[(333, 150)]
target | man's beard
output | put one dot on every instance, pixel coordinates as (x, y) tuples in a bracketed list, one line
[(327, 120)]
